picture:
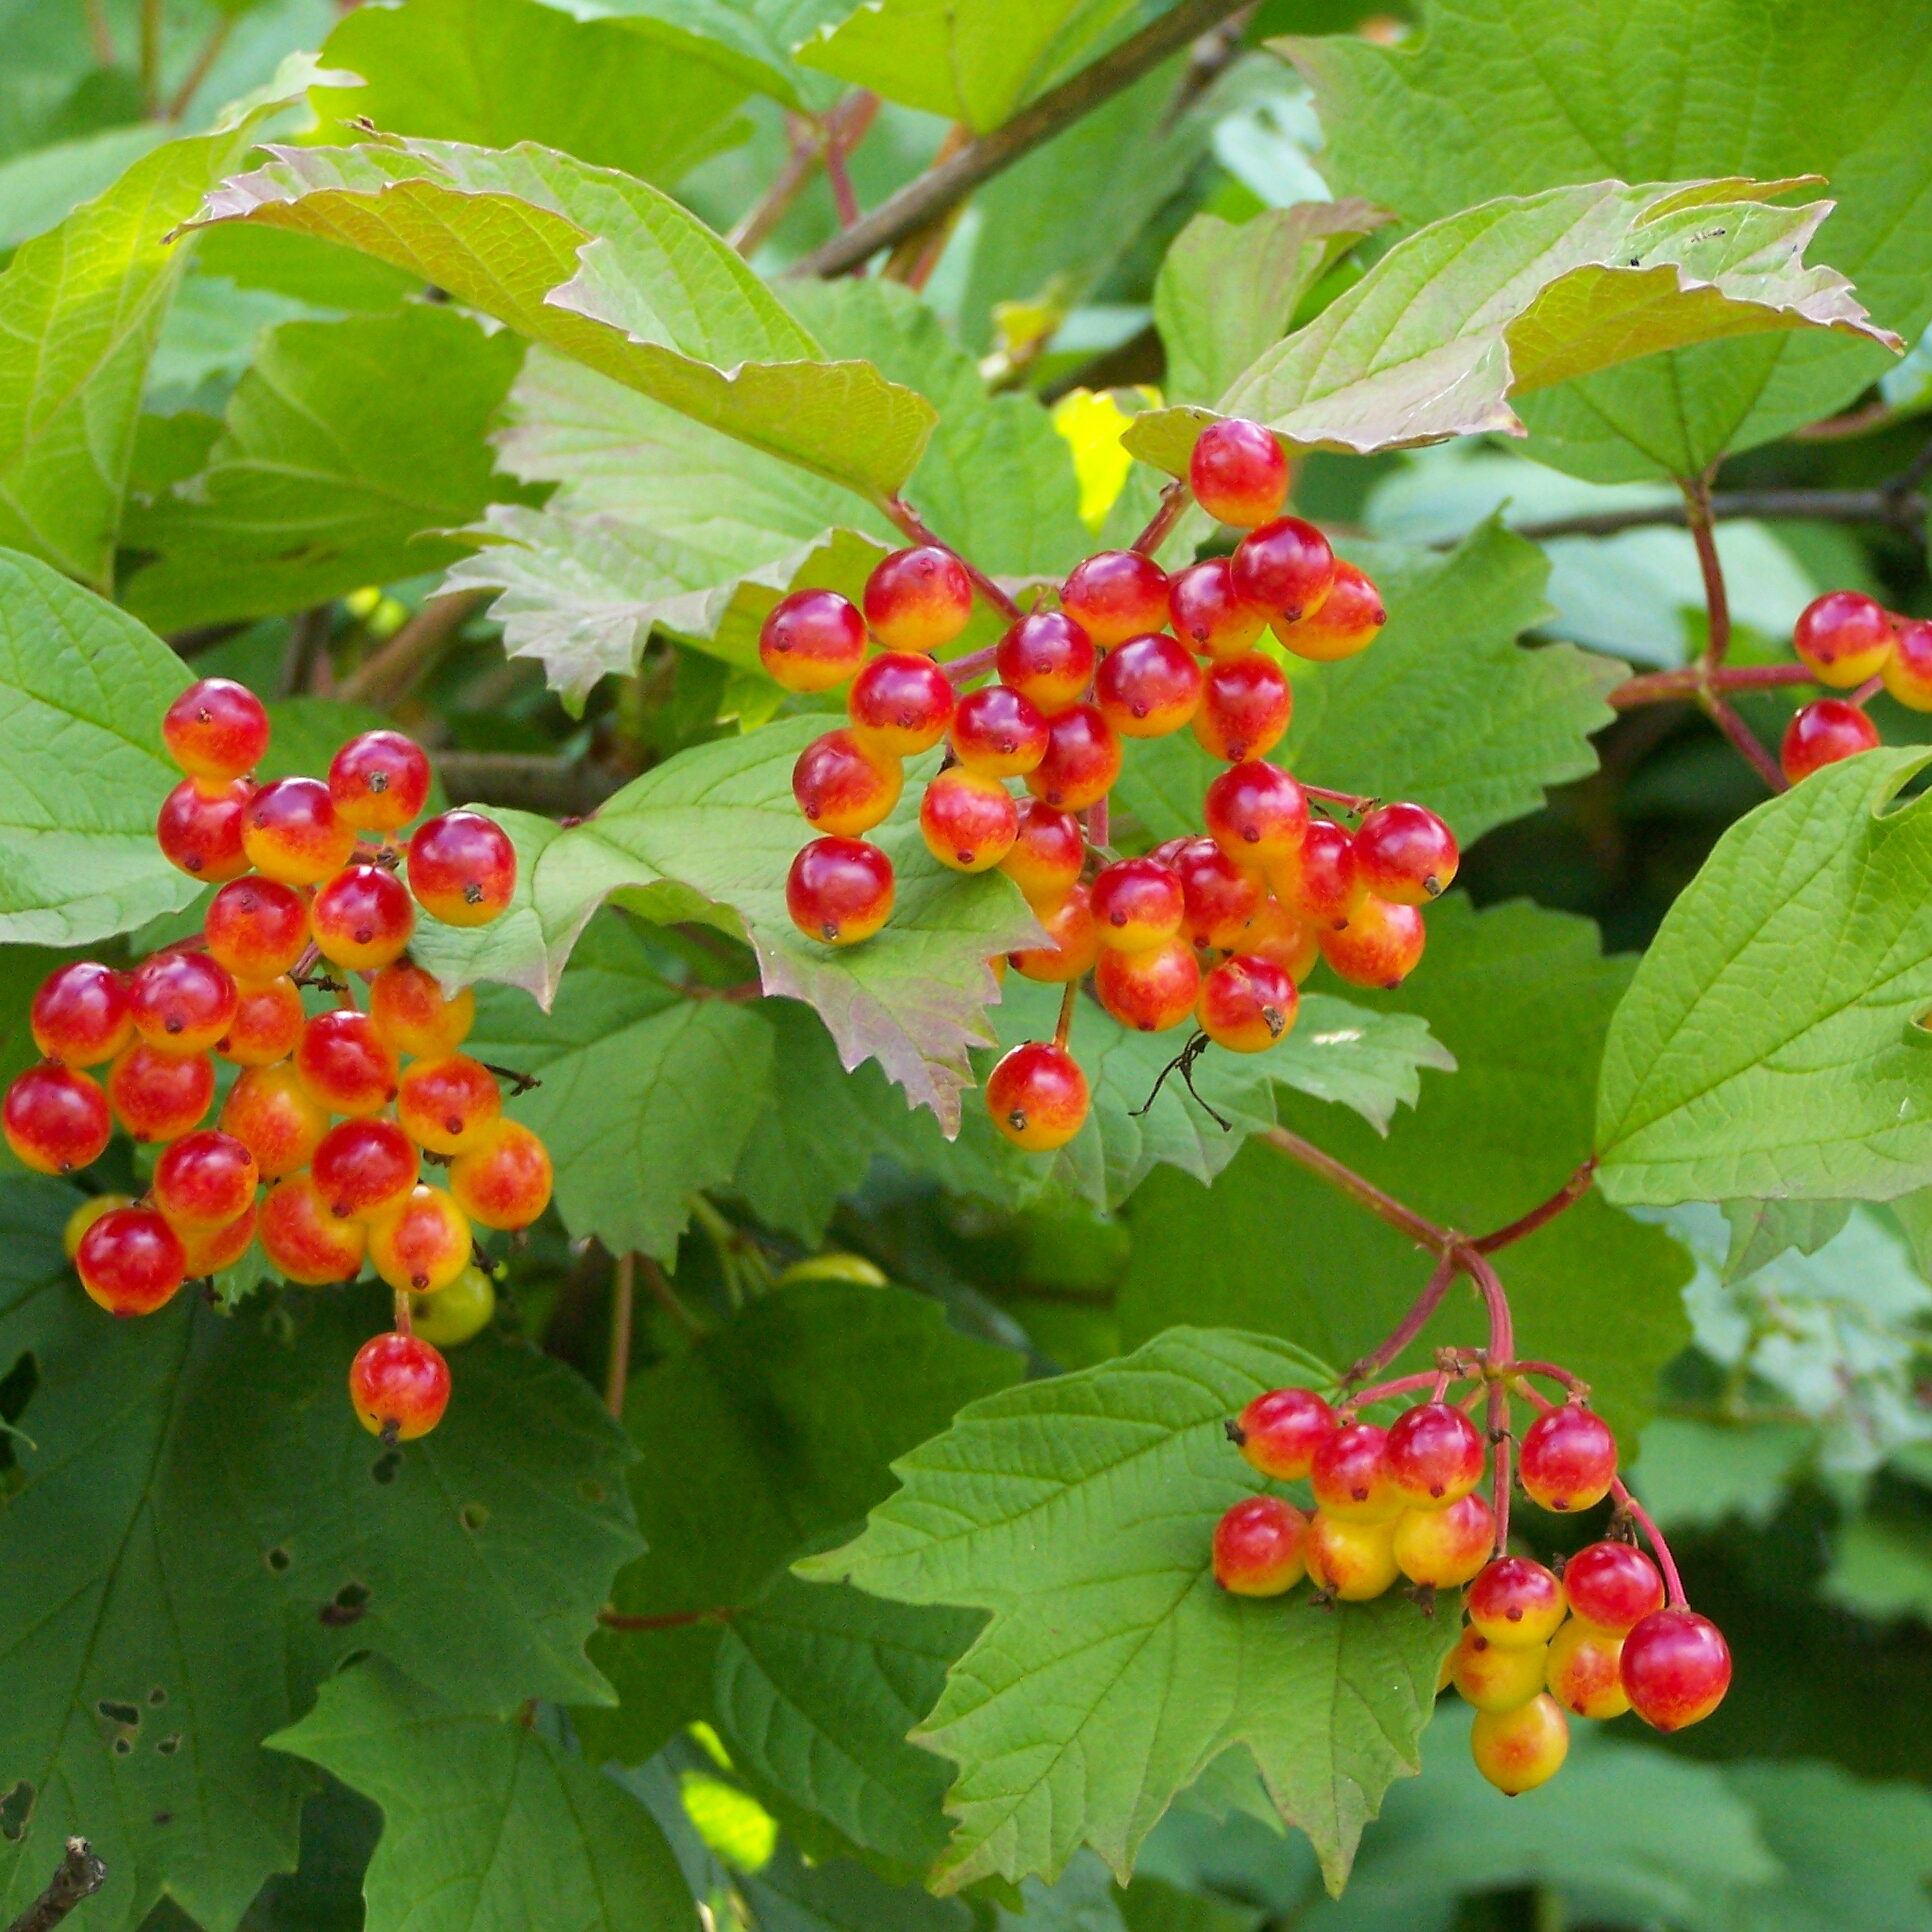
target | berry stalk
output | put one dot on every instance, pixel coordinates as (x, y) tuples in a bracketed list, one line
[(905, 518), (1635, 1510)]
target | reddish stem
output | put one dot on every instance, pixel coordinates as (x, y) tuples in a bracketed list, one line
[(1659, 687), (1571, 1190), (908, 520), (1064, 1025), (1423, 1232), (1173, 502), (1550, 1372), (1673, 1583), (1499, 1449), (1502, 1330), (1717, 601), (672, 1620), (963, 670), (1745, 741), (1866, 692), (1349, 801), (1411, 1325), (1099, 819), (1402, 1385)]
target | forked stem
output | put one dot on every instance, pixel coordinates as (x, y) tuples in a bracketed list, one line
[(1673, 1583)]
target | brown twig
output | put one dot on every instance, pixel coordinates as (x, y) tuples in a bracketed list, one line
[(666, 1296), (528, 781), (386, 675), (183, 97), (623, 1296), (1745, 741), (1572, 1190), (1717, 599), (100, 34), (670, 1620), (1659, 687), (801, 163), (1904, 511), (151, 57), (1173, 501), (78, 1877)]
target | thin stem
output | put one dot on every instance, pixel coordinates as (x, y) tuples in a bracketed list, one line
[(1572, 1190), (1353, 802), (1502, 1329), (100, 35), (908, 520), (845, 127), (151, 56), (1405, 1220), (183, 97), (1661, 687), (1402, 1385), (670, 1620), (1499, 1448), (386, 675), (1173, 502), (1717, 599), (78, 1876), (667, 1297), (1866, 692), (1551, 1373), (1064, 1025), (1900, 508), (1099, 817), (1745, 740), (1673, 1583), (403, 1317), (623, 1296), (801, 163), (963, 670), (1411, 1324)]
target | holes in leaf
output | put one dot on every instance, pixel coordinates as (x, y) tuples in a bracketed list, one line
[(384, 1468), (278, 1560), (473, 1516), (16, 1808), (157, 1695), (169, 1745), (118, 1713), (164, 1817), (346, 1606), (123, 1745)]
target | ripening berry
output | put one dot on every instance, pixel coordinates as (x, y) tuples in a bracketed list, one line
[(1148, 687), (1352, 1560), (1844, 637), (1908, 671), (1046, 855), (448, 1105), (918, 599), (1676, 1668), (1246, 1004), (969, 821), (1257, 1547), (1348, 620), (1048, 659), (1246, 703), (1496, 1677), (1275, 933), (303, 1240), (423, 1243), (839, 890), (362, 918), (1149, 991), (216, 729), (160, 1096), (1584, 1671), (1568, 1459), (414, 1016), (344, 1063), (379, 781), (505, 1182), (1037, 1096), (363, 1168), (1820, 734), (206, 1251), (1137, 903), (999, 732), (1380, 946), (900, 704), (1515, 1601), (1209, 615), (201, 833), (1350, 1475), (1279, 1432), (456, 1314), (845, 787), (1082, 760), (267, 1025), (81, 1015), (1238, 473), (1219, 898), (84, 1217), (181, 1002), (1322, 884), (1115, 595), (1286, 567), (1520, 1749), (56, 1119), (1404, 853), (1256, 814), (205, 1180), (1073, 942), (271, 1113), (812, 640), (1445, 1548), (130, 1261), (399, 1386), (291, 831), (462, 868), (256, 928), (1612, 1587), (1435, 1455)]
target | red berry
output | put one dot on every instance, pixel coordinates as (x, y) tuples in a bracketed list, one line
[(839, 890), (160, 1096), (1516, 1602), (969, 821), (999, 732), (1323, 882), (292, 832), (1280, 1431), (363, 918), (1256, 814), (1406, 854), (1115, 595), (379, 781), (267, 1025), (202, 833), (1073, 943), (812, 640), (216, 729), (1247, 1004), (412, 1012), (1350, 1475), (1257, 1547), (399, 1385), (1047, 658), (1046, 854), (256, 928), (1823, 732), (1350, 1559), (1568, 1459), (1346, 622), (1844, 637), (1246, 703), (1612, 1587), (1584, 1671), (345, 1064), (363, 1168), (1380, 945), (1148, 687), (505, 1183), (1238, 473), (1220, 899), (56, 1120), (205, 1180), (1676, 1668), (462, 868), (1275, 933), (206, 1251), (130, 1261), (1082, 760), (181, 1002), (81, 1015), (1286, 567), (1149, 991), (1209, 614), (1520, 1749), (1444, 1548), (271, 1113), (844, 786), (1136, 903), (1908, 671), (1037, 1096), (1435, 1455), (918, 599), (900, 704), (421, 1244), (303, 1240), (448, 1105)]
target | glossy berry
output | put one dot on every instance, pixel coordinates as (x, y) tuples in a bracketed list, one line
[(1612, 1587), (181, 1002), (304, 1240), (1568, 1459), (423, 1243), (1322, 884), (505, 1182), (1583, 1671), (399, 1386), (448, 1105), (363, 918), (1082, 760), (1354, 1561), (1149, 991), (379, 781), (1245, 706), (1908, 671), (969, 821), (1820, 734), (364, 1168), (456, 1314), (130, 1261), (1257, 1547), (1350, 1475), (1520, 1749), (839, 890), (414, 1015), (1048, 659), (56, 1119), (1238, 473), (291, 831), (999, 732), (160, 1096), (1046, 855), (267, 1025), (1137, 903), (1380, 946), (918, 599), (206, 1251), (1115, 595), (1844, 637), (1037, 1096), (1445, 1548), (1219, 898), (462, 868), (216, 729), (1209, 615), (1148, 687), (1286, 567), (272, 1114), (84, 1217), (81, 1014), (1405, 853), (256, 928), (1073, 942), (1256, 814), (1435, 1455), (205, 1180), (1676, 1668), (345, 1064), (812, 640), (201, 833), (1279, 1432), (845, 787), (1246, 1004), (1516, 1601), (900, 704), (1347, 620), (1275, 933), (1496, 1677)]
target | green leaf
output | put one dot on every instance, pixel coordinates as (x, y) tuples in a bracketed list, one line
[(1079, 1511), (1763, 1230), (607, 270), (1838, 91), (82, 767), (483, 1817), (347, 450), (1519, 294), (1696, 1100), (841, 1895), (42, 187), (1700, 1475), (1882, 1570)]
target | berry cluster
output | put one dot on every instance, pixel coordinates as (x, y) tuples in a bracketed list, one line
[(324, 1109), (1853, 643), (1220, 929), (1596, 1640)]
